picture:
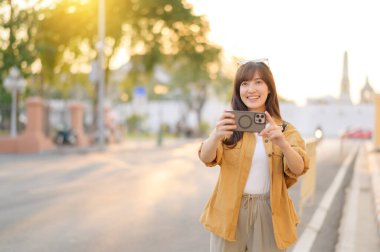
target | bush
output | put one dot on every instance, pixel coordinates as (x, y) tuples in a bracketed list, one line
[(204, 128), (135, 123), (165, 128)]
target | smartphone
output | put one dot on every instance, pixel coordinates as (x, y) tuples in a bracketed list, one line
[(249, 121)]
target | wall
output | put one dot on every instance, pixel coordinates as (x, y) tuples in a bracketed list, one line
[(332, 118)]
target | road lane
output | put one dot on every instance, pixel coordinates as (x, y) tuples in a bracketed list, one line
[(122, 200)]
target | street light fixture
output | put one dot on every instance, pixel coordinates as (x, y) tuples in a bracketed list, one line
[(14, 83)]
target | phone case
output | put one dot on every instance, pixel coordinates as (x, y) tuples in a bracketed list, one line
[(249, 121)]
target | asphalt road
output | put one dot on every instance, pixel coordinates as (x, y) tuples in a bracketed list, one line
[(126, 199)]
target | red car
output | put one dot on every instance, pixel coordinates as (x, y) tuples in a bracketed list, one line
[(358, 134)]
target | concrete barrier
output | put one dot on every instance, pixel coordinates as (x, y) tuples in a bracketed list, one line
[(33, 139), (357, 231), (377, 123), (308, 182), (77, 114), (374, 167)]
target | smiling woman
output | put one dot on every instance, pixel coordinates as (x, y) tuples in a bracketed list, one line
[(255, 169)]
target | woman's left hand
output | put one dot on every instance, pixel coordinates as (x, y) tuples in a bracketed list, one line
[(274, 132)]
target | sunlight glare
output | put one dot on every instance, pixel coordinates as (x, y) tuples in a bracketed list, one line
[(305, 42)]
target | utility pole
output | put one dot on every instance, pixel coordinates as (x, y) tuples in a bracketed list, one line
[(101, 80)]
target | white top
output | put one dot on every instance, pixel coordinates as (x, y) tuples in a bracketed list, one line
[(258, 179)]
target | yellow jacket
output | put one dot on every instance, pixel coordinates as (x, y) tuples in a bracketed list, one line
[(220, 214)]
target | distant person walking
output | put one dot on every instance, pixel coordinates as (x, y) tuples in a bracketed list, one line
[(250, 209)]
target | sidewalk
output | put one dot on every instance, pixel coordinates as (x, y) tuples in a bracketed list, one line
[(125, 145), (374, 160), (360, 224)]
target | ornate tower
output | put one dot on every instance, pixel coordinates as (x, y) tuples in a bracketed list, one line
[(367, 93), (345, 84)]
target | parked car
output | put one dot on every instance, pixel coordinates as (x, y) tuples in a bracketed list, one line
[(358, 133)]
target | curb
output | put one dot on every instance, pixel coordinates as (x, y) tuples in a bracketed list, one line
[(375, 178), (348, 222), (314, 226)]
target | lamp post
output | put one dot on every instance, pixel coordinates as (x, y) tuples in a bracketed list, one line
[(160, 90), (14, 83), (101, 75)]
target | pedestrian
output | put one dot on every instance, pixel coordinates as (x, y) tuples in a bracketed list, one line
[(250, 209)]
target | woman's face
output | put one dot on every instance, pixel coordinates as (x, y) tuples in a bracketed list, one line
[(254, 93)]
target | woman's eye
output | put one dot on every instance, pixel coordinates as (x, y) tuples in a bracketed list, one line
[(244, 83), (259, 82)]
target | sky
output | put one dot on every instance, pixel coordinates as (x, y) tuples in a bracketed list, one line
[(304, 40)]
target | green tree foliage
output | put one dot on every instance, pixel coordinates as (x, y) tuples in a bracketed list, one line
[(161, 32), (17, 47), (63, 37), (64, 30), (167, 32), (143, 26)]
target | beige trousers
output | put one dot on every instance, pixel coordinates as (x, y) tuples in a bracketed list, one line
[(254, 231)]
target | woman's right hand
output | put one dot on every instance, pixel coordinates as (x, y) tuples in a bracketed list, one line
[(223, 129), (225, 126)]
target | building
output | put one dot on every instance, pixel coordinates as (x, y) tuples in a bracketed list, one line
[(367, 93), (345, 96), (333, 115), (345, 93)]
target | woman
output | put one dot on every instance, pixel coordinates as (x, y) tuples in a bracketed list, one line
[(250, 209)]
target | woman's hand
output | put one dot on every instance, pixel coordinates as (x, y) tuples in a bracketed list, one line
[(223, 129), (274, 133), (225, 126)]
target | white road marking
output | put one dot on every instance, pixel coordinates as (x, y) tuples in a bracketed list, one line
[(308, 236)]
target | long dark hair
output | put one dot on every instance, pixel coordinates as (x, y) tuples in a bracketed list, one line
[(245, 73)]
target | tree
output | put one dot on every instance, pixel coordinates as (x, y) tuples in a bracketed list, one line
[(17, 43), (197, 67), (153, 29), (17, 26), (167, 33)]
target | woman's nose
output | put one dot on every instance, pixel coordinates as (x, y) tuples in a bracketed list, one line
[(251, 87)]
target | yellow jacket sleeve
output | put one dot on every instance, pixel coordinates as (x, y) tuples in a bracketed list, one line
[(218, 158), (298, 144)]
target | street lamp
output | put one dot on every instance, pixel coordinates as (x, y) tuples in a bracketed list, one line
[(160, 90), (14, 83), (97, 75)]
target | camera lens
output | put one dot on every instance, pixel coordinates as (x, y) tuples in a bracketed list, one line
[(259, 118)]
